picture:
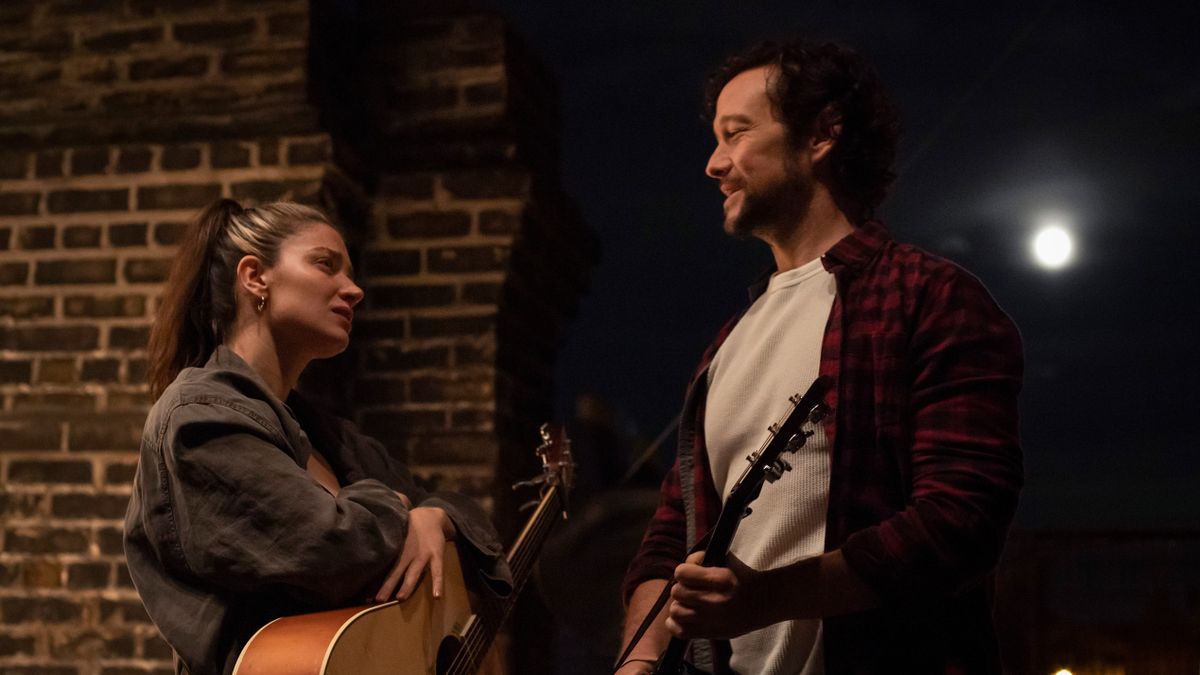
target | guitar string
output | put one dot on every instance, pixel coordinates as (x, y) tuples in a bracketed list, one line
[(522, 562), (475, 643)]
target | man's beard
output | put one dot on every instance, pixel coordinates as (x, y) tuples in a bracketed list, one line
[(779, 207)]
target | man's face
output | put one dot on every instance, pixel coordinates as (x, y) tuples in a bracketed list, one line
[(761, 173)]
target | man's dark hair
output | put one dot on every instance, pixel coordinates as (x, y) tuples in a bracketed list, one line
[(824, 85)]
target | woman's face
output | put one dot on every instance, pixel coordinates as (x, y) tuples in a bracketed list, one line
[(311, 293)]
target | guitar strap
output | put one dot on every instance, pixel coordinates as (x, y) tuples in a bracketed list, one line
[(658, 606)]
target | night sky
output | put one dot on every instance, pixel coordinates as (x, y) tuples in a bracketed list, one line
[(1014, 114)]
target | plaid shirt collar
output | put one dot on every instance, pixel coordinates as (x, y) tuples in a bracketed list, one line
[(849, 256)]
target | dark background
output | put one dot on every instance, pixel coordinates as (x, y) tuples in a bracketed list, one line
[(1012, 112)]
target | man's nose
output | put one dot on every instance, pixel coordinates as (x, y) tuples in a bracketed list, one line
[(718, 163)]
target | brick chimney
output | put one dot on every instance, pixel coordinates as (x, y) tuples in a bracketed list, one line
[(430, 136)]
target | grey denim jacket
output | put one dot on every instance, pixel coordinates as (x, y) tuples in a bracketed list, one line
[(226, 530)]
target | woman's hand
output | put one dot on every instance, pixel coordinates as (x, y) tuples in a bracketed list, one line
[(429, 528)]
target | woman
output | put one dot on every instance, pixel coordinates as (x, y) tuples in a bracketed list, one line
[(250, 504)]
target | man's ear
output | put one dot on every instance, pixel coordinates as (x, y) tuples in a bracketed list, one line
[(826, 130), (252, 276)]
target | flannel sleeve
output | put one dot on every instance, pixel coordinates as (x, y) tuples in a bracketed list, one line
[(665, 542), (965, 370)]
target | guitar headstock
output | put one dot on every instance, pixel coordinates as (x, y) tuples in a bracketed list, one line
[(555, 452), (558, 469)]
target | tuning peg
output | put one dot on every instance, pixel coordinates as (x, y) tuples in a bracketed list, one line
[(533, 482), (820, 412)]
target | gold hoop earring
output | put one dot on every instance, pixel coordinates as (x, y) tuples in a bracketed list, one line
[(262, 302)]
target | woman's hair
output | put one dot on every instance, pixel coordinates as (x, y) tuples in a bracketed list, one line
[(199, 304)]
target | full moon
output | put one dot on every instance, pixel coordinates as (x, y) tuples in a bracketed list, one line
[(1052, 247)]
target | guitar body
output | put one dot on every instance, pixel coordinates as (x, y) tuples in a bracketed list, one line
[(418, 636)]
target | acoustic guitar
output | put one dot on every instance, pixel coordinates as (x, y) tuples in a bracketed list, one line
[(419, 636)]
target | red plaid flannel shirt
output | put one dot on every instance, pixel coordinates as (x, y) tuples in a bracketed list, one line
[(926, 461)]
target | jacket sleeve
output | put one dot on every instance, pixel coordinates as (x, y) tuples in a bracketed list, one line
[(241, 515), (477, 537), (965, 369)]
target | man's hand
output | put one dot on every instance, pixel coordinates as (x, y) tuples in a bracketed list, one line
[(636, 668), (716, 602), (428, 531)]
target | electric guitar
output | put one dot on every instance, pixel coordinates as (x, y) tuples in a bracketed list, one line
[(420, 636), (767, 464)]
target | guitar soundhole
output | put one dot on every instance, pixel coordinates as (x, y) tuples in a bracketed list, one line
[(447, 650)]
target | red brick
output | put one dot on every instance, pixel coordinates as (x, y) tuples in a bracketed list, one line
[(431, 389), (56, 371), (178, 196), (110, 432), (308, 152), (31, 434), (425, 224), (13, 164), (163, 68), (127, 234), (177, 157), (468, 259), (134, 159), (81, 236), (39, 610), (378, 358), (169, 234), (392, 262), (486, 184), (37, 237), (19, 203), (482, 293), (45, 540), (128, 337), (288, 25), (407, 186), (88, 575), (100, 370), (104, 306), (262, 61), (49, 163), (412, 295), (55, 338), (230, 155), (79, 201), (27, 307), (81, 505), (76, 271), (122, 40), (428, 327), (232, 32), (499, 222), (144, 270), (454, 448), (13, 274), (89, 161), (15, 371)]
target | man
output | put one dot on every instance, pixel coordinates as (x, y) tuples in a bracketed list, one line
[(874, 554)]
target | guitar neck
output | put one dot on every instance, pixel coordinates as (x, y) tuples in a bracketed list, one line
[(521, 558)]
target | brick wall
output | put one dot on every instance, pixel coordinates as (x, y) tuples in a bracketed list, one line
[(430, 136)]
